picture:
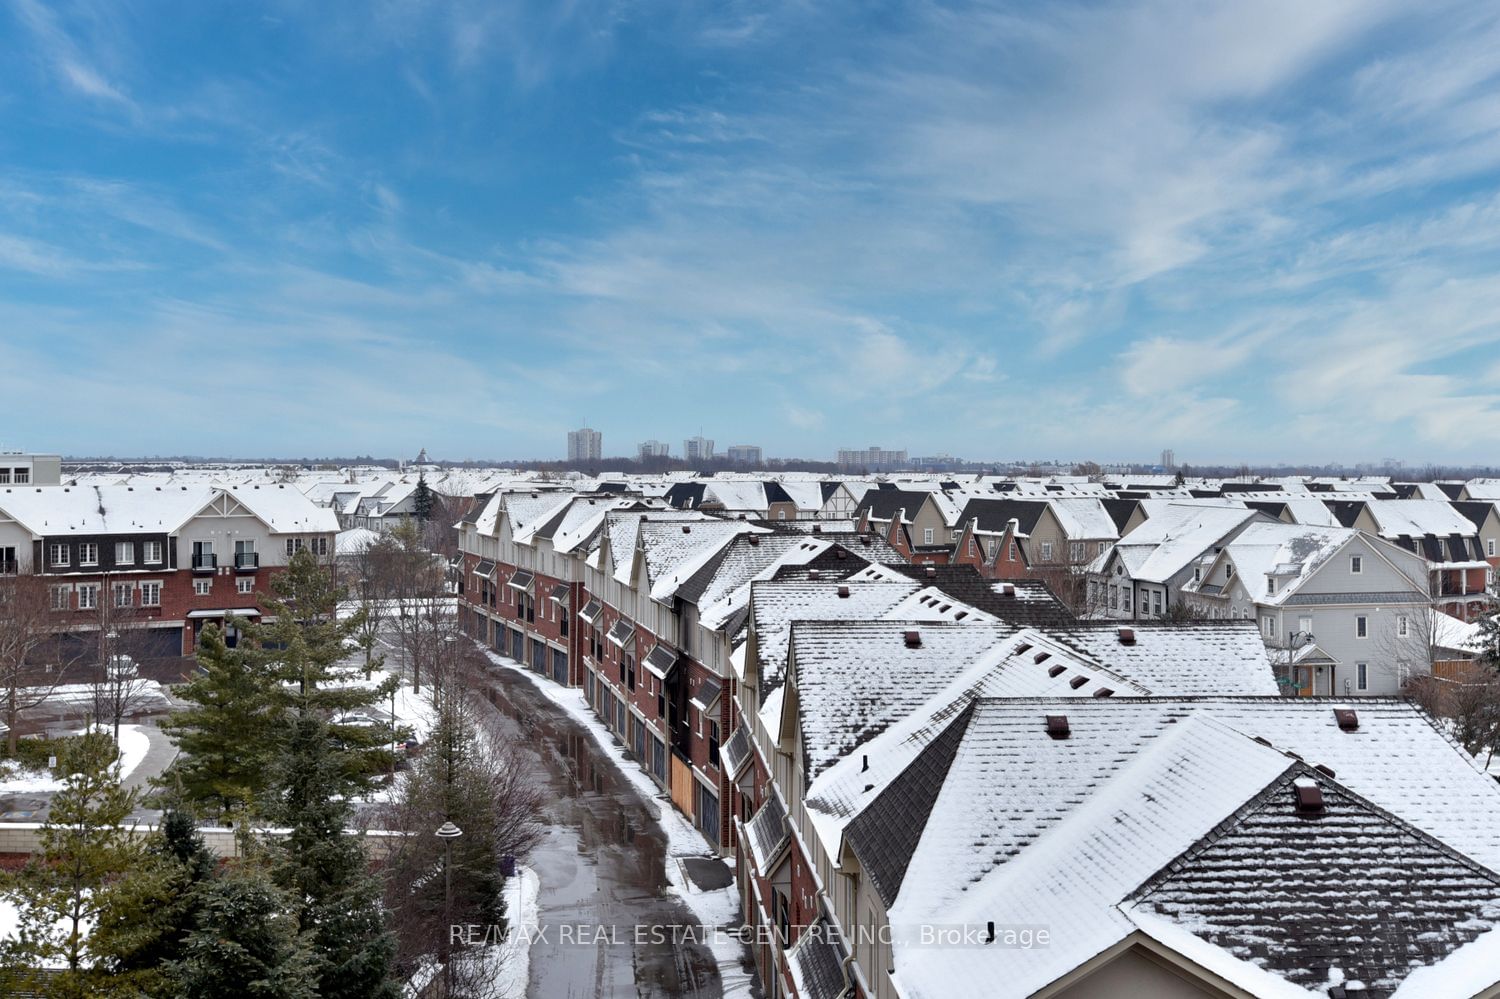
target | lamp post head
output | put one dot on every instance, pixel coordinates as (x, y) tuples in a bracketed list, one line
[(112, 635), (448, 831)]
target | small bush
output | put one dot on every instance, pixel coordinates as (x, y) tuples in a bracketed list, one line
[(34, 753)]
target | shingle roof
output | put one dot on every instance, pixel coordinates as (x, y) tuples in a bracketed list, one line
[(768, 833), (1351, 887), (885, 834), (816, 962)]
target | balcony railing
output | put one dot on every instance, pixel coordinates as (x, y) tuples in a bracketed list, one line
[(247, 561), (205, 563)]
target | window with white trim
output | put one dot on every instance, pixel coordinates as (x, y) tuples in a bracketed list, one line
[(203, 587), (1361, 627), (1403, 626), (318, 546), (61, 599), (245, 584), (88, 596), (1046, 551), (151, 552), (88, 553), (926, 535), (58, 556), (124, 594), (1490, 546), (124, 553), (1356, 565), (1268, 626), (151, 594), (1362, 676)]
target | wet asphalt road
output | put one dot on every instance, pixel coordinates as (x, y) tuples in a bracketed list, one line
[(601, 866)]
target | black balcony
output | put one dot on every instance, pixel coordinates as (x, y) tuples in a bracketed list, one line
[(246, 561), (205, 563)]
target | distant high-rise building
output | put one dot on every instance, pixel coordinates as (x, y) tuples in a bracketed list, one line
[(1169, 459), (585, 444), (653, 449), (698, 449), (872, 459), (746, 454)]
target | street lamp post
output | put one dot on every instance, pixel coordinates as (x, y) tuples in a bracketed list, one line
[(448, 832)]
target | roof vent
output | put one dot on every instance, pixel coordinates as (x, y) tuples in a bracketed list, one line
[(687, 529), (817, 528), (1309, 796), (1325, 770), (1056, 671), (1008, 590), (913, 639), (864, 539), (931, 572), (1057, 726), (1347, 718), (1078, 681), (814, 575), (865, 763), (752, 540), (1263, 741), (1041, 657), (844, 592), (1104, 692), (1023, 648), (1127, 636), (840, 554)]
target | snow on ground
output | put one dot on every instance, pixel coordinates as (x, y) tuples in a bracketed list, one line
[(504, 967), (10, 928), (134, 744), (714, 909), (22, 781), (83, 693)]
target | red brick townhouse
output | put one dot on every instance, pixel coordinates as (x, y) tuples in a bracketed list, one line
[(174, 557)]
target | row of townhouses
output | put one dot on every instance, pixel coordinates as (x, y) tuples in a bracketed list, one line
[(937, 780), (173, 557)]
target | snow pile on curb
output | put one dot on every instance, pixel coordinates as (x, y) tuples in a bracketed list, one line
[(505, 968), (716, 909)]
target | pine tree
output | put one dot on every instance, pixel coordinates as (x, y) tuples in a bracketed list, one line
[(227, 737), (84, 845), (146, 915), (325, 868), (303, 652), (245, 942), (421, 499), (1487, 642)]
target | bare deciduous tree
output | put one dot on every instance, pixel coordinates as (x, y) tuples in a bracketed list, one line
[(27, 627), (424, 613), (120, 643)]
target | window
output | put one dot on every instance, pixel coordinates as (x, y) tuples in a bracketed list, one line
[(245, 584), (1268, 626), (1075, 551), (1046, 551), (971, 547), (88, 596), (293, 546), (23, 476), (60, 598), (57, 555), (1304, 625), (124, 553), (1402, 626), (1490, 546), (926, 535), (8, 559), (1271, 584), (318, 546), (1362, 678), (1012, 551), (1228, 570), (1356, 564), (1361, 627), (123, 594), (203, 555), (88, 553), (151, 553), (1103, 547), (1156, 602), (5, 476), (1197, 573), (713, 743), (203, 587), (150, 594)]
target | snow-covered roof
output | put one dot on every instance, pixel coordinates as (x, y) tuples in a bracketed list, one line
[(1418, 517)]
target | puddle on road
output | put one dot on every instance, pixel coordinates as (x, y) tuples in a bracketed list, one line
[(607, 926)]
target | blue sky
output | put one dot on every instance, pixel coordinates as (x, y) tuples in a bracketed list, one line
[(1246, 231)]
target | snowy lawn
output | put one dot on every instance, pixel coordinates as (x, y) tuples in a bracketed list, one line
[(716, 910), (134, 744)]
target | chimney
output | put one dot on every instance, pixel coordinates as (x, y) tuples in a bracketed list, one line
[(913, 639), (844, 592), (1057, 726), (1347, 718)]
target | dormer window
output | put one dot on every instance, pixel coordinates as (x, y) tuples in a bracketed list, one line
[(1228, 570), (1270, 584)]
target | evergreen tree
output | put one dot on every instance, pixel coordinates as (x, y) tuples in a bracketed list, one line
[(304, 652), (227, 737), (146, 915), (244, 942), (421, 499), (84, 845), (1487, 642)]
